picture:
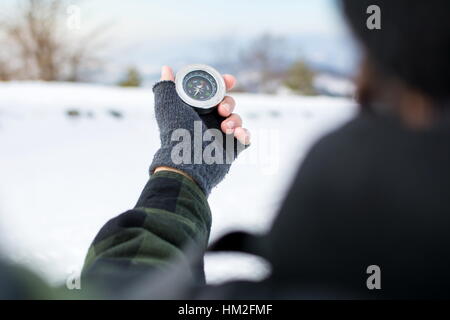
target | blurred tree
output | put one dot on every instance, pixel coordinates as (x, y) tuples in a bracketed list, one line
[(226, 60), (7, 67), (133, 78), (264, 60), (300, 79), (5, 72), (45, 48)]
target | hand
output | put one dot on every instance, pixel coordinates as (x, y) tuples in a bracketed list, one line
[(221, 125), (233, 122)]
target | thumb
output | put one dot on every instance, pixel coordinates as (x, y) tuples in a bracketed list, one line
[(167, 74)]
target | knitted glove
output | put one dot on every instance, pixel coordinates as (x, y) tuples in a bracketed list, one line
[(191, 142)]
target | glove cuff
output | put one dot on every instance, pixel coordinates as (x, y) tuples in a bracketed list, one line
[(207, 176)]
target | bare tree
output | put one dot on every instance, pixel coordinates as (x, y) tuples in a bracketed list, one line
[(81, 56), (265, 56), (5, 67), (5, 73), (225, 53), (43, 45)]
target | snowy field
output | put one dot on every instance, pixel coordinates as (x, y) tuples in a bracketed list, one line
[(63, 177)]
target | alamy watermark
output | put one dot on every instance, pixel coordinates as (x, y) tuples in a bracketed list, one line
[(211, 147), (73, 21), (73, 280), (374, 20), (374, 280)]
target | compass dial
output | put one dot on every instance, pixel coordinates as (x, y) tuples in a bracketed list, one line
[(200, 85)]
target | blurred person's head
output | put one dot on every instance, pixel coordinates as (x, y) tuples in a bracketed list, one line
[(406, 65)]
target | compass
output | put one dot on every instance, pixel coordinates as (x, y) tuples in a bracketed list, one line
[(200, 86)]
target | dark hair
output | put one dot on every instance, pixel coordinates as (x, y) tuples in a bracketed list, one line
[(413, 44)]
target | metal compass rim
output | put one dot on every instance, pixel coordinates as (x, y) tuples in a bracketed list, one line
[(206, 104)]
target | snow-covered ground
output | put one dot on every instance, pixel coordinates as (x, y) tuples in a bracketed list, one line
[(63, 177)]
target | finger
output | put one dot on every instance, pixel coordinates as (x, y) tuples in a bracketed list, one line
[(230, 81), (243, 135), (231, 123), (226, 107), (167, 74)]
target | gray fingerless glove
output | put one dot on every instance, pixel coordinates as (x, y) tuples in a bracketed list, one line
[(191, 142)]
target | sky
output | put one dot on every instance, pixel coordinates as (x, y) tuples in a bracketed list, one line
[(174, 32), (175, 19), (148, 33)]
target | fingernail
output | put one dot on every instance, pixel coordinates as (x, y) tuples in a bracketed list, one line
[(248, 137), (231, 124), (230, 127), (227, 107)]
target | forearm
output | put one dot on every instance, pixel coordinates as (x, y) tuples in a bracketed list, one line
[(172, 213)]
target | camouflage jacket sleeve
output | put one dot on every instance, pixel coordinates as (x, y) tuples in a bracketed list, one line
[(172, 215)]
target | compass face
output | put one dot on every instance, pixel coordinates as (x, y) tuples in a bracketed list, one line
[(200, 85)]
